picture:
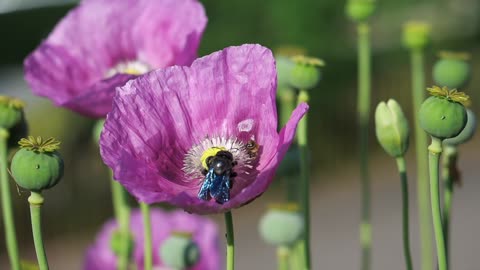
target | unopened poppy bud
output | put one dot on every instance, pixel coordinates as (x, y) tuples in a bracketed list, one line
[(452, 70), (282, 225), (443, 115), (97, 129), (467, 133), (416, 35), (360, 10), (179, 251), (305, 74), (11, 112), (117, 243), (37, 165), (391, 128)]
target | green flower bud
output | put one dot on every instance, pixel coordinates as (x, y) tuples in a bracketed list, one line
[(391, 128), (37, 165), (443, 115), (282, 225), (467, 133), (305, 74), (179, 251), (452, 70), (416, 35), (11, 112), (360, 10), (97, 129), (117, 243)]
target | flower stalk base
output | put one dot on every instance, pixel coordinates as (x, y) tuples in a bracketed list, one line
[(36, 202)]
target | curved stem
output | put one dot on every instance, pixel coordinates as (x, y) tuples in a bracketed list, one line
[(283, 255), (435, 149), (122, 215), (302, 139), (363, 107), (405, 224), (36, 202), (230, 241), (9, 224), (421, 142), (449, 175), (147, 232)]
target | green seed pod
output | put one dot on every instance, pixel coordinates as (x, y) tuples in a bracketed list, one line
[(17, 132), (282, 225), (416, 35), (391, 128), (97, 129), (443, 115), (284, 68), (37, 165), (179, 251), (117, 243), (305, 74), (467, 132), (452, 70), (360, 10), (11, 112)]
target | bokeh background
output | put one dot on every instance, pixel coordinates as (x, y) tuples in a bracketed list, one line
[(77, 207)]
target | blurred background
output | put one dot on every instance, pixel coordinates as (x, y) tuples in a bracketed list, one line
[(77, 207)]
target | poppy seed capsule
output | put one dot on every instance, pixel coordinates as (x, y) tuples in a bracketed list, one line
[(416, 35), (37, 165), (467, 132), (391, 128), (360, 10), (452, 70), (117, 243), (442, 118), (281, 225), (179, 251), (305, 74), (11, 112)]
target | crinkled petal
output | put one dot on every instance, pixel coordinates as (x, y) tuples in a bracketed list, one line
[(97, 35)]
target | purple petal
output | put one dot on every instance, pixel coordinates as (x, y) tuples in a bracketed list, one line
[(71, 65)]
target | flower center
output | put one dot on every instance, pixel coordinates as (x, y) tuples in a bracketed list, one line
[(134, 67), (243, 155)]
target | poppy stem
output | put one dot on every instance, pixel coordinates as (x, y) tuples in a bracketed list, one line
[(363, 110), (449, 176), (283, 254), (405, 211), (122, 216), (36, 202), (435, 149), (230, 241), (8, 222), (147, 232), (302, 140), (421, 142)]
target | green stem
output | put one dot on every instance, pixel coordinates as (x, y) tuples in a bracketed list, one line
[(283, 256), (421, 142), (230, 241), (122, 215), (448, 174), (363, 107), (302, 140), (147, 232), (435, 149), (8, 222), (406, 231), (36, 202)]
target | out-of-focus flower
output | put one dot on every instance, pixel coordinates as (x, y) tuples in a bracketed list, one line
[(416, 35), (204, 233), (452, 70), (102, 44), (213, 143)]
